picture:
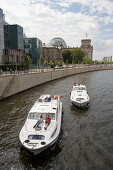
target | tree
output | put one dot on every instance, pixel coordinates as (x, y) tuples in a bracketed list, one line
[(77, 55), (26, 61), (41, 60), (86, 60), (59, 63), (67, 62), (53, 63), (73, 62), (66, 54)]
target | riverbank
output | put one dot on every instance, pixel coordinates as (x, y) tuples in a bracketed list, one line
[(13, 84)]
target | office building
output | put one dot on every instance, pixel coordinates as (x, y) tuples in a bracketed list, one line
[(30, 49), (39, 49), (13, 44), (1, 35), (108, 59)]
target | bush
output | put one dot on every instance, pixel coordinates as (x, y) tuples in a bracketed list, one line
[(12, 67)]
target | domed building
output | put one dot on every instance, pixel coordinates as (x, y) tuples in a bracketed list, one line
[(53, 50), (58, 42)]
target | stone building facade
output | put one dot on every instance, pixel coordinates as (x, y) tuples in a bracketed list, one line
[(50, 53), (54, 49), (87, 47)]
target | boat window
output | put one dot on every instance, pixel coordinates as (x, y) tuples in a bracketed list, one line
[(79, 99), (36, 137), (51, 115), (36, 116), (79, 88), (33, 116)]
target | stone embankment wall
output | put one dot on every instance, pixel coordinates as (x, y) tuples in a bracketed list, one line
[(12, 84)]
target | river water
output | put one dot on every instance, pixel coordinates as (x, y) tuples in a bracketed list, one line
[(86, 140)]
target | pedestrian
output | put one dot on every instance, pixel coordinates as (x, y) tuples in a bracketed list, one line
[(10, 71)]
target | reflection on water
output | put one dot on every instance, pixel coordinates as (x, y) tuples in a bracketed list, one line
[(87, 134)]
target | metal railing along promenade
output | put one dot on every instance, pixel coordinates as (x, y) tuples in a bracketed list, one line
[(30, 71)]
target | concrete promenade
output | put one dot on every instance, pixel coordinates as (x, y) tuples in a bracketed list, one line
[(11, 84)]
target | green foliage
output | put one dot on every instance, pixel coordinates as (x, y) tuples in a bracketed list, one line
[(77, 55), (62, 63), (73, 62), (41, 60), (11, 66), (67, 62), (73, 55), (47, 62), (86, 60), (53, 62), (59, 63), (50, 62), (26, 62), (66, 54)]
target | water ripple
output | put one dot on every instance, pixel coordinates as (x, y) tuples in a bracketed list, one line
[(86, 137)]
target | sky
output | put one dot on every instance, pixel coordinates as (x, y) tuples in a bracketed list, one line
[(69, 19)]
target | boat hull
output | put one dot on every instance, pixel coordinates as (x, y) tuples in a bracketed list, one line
[(80, 104), (40, 150)]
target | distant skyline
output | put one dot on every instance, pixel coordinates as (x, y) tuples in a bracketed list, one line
[(68, 19)]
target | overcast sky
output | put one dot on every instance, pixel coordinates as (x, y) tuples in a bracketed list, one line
[(68, 19)]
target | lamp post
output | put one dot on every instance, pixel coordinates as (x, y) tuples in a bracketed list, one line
[(16, 64)]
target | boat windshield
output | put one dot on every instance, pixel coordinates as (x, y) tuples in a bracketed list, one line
[(36, 137), (36, 116), (79, 88)]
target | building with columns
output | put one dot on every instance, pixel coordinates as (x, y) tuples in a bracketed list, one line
[(54, 49), (87, 48)]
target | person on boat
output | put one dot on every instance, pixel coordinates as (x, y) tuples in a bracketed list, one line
[(49, 99), (46, 99), (39, 121), (47, 122)]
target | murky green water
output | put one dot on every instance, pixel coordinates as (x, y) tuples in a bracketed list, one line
[(86, 141)]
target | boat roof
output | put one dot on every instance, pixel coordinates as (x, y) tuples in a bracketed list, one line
[(42, 106)]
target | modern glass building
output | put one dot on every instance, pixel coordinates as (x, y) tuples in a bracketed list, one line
[(33, 48), (13, 44), (16, 37), (1, 35), (30, 49), (39, 49)]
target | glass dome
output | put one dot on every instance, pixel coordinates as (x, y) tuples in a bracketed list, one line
[(58, 42)]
